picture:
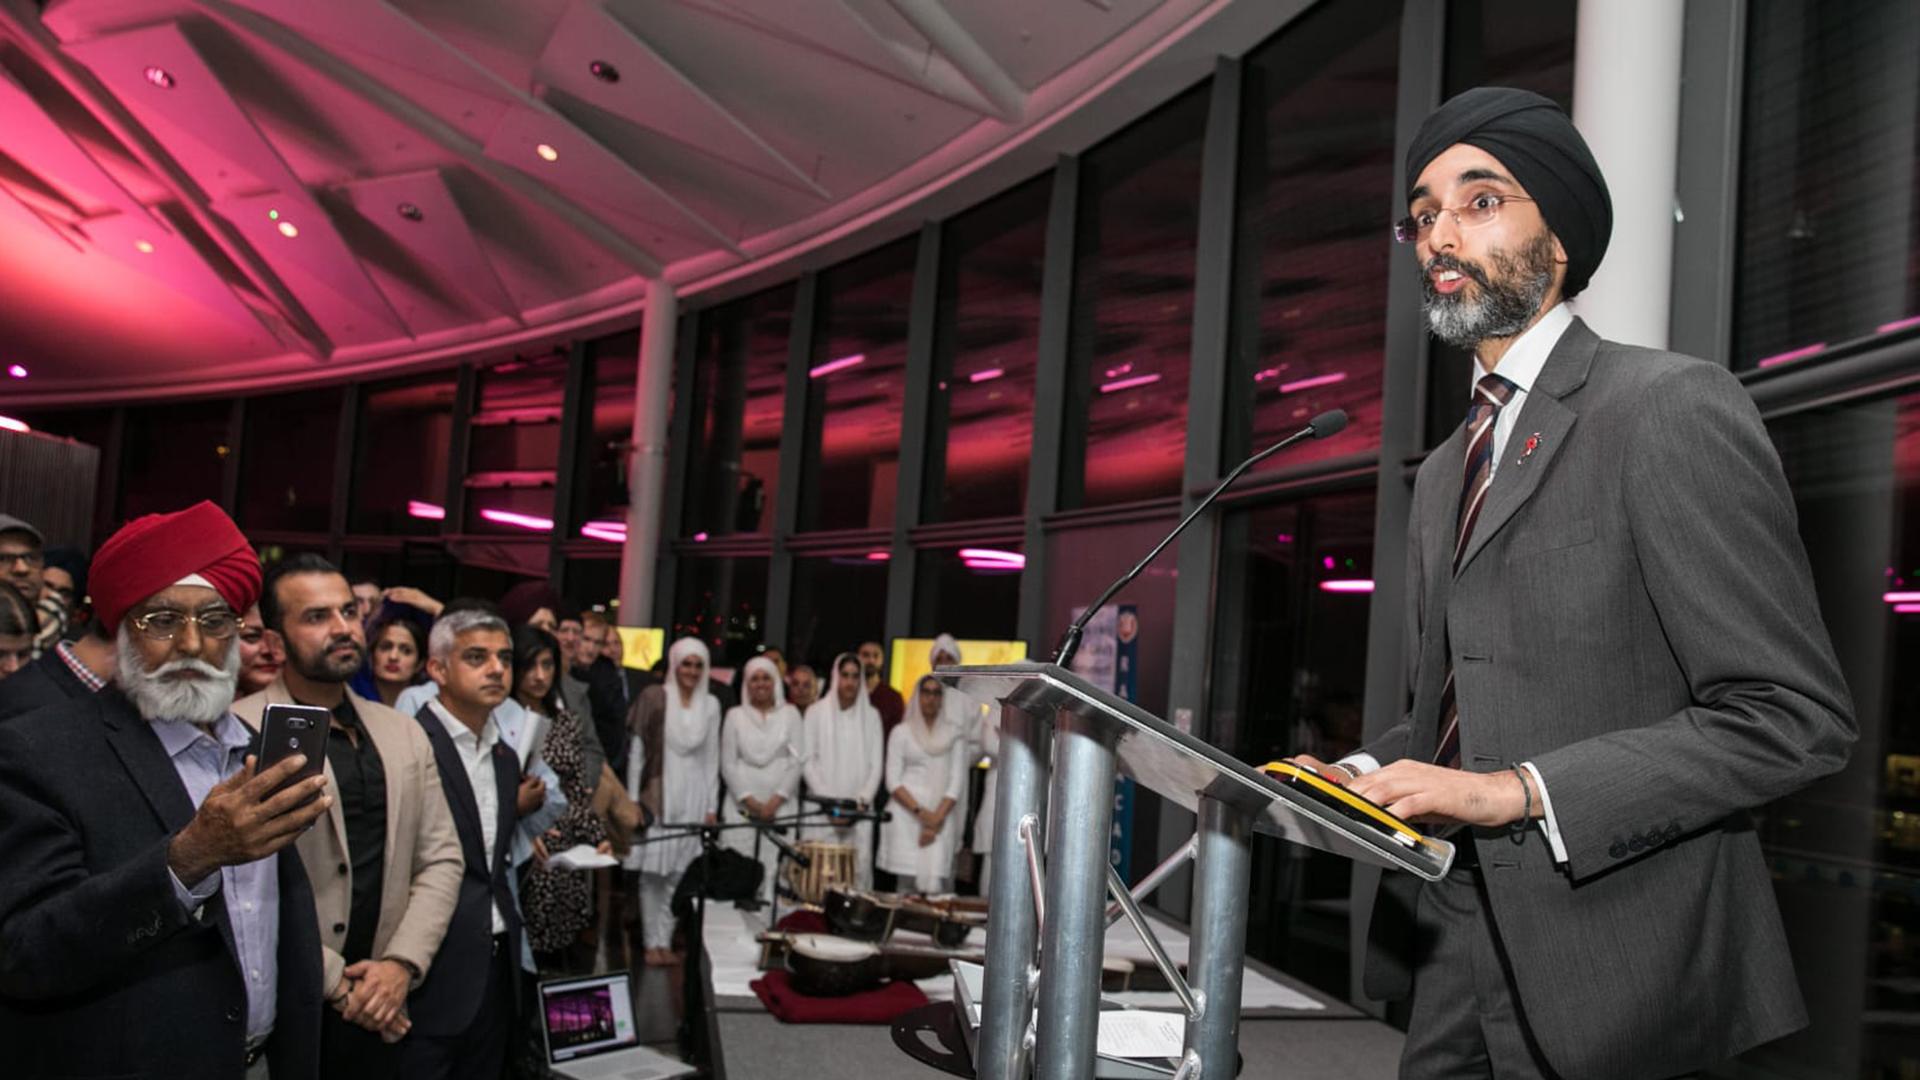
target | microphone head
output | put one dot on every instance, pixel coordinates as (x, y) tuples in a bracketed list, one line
[(1328, 423)]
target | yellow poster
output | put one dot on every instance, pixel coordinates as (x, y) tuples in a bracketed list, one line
[(643, 646), (911, 658)]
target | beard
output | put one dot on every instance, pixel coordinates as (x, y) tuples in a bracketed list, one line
[(1508, 299), (163, 698), (321, 667)]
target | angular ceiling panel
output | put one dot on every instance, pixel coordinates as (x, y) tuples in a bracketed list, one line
[(417, 214), (144, 143), (596, 59)]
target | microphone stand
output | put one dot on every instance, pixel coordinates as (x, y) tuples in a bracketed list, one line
[(1326, 424)]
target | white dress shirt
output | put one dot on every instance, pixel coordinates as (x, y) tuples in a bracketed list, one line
[(1520, 366), (476, 753)]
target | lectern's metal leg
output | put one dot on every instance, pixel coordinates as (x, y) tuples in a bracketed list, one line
[(1081, 814), (1217, 951), (1012, 928)]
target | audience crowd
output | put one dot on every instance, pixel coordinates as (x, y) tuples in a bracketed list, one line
[(392, 915)]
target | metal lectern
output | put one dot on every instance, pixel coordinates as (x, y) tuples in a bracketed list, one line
[(1061, 743)]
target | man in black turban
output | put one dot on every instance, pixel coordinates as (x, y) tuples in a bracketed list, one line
[(1619, 655)]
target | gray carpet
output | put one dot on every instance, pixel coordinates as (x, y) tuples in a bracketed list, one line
[(758, 1047)]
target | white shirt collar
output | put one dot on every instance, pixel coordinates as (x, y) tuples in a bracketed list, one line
[(1528, 354), (488, 735)]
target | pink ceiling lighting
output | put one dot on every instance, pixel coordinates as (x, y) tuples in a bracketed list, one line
[(1793, 354), (416, 508), (517, 520), (8, 423), (1312, 381), (1898, 324), (993, 559), (699, 538), (1355, 585), (1901, 597), (1906, 609), (841, 364), (1128, 384), (879, 556), (983, 376), (18, 371), (613, 532)]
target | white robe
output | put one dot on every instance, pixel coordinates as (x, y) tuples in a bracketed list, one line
[(759, 758), (689, 781), (932, 766), (844, 759), (990, 747)]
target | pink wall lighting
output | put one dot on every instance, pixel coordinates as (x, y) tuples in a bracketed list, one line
[(1347, 586), (520, 521), (416, 508)]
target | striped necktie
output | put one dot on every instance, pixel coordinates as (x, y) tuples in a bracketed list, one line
[(1489, 394)]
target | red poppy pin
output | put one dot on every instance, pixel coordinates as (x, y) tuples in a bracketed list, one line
[(1533, 443)]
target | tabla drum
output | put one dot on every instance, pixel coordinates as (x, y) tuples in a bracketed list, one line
[(829, 866)]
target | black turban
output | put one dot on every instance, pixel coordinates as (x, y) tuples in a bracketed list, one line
[(1538, 144)]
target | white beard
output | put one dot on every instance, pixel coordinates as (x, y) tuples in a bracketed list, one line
[(163, 699)]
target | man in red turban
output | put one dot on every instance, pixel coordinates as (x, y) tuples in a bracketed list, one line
[(144, 864)]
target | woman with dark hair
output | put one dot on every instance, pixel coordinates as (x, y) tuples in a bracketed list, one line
[(18, 625), (396, 655), (556, 904)]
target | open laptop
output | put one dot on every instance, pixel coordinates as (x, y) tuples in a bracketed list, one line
[(588, 1026)]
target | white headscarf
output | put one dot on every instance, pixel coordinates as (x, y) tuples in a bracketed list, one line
[(943, 644), (960, 710), (686, 726), (938, 739), (761, 663)]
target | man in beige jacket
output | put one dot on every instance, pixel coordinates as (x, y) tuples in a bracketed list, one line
[(386, 863)]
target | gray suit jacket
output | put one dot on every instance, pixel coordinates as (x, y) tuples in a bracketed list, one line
[(1634, 614)]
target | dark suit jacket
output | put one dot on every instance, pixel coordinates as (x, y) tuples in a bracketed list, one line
[(1634, 614), (102, 973), (46, 681), (447, 999)]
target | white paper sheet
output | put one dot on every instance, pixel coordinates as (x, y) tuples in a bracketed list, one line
[(1141, 1033)]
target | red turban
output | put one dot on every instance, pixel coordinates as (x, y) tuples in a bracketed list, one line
[(152, 552)]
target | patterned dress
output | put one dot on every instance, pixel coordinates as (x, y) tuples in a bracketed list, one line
[(558, 904)]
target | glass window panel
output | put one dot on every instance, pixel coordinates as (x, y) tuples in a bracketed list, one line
[(173, 456), (986, 344), (614, 367), (1845, 852), (1495, 43), (740, 386), (286, 461), (839, 601), (723, 602), (1133, 302), (400, 475), (971, 592), (595, 582), (1294, 596), (1317, 175), (1829, 224), (514, 446), (856, 377)]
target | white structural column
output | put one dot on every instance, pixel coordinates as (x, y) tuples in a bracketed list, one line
[(1626, 101), (647, 467)]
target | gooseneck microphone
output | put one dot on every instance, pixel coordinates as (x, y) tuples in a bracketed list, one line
[(1326, 424)]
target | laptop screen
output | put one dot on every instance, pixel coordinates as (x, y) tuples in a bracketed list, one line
[(587, 1016)]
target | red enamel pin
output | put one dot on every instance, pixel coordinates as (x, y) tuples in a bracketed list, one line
[(1533, 443)]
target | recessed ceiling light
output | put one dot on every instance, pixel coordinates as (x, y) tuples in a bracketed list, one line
[(158, 76), (287, 230), (604, 71), (410, 212), (143, 247), (547, 152), (18, 371)]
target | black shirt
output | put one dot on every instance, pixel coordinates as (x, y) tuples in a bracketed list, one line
[(362, 781)]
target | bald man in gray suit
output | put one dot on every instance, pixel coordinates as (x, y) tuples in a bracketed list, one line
[(1616, 655)]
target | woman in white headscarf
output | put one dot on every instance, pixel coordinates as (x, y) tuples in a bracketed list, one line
[(760, 762), (926, 774), (674, 769), (844, 758), (971, 718)]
